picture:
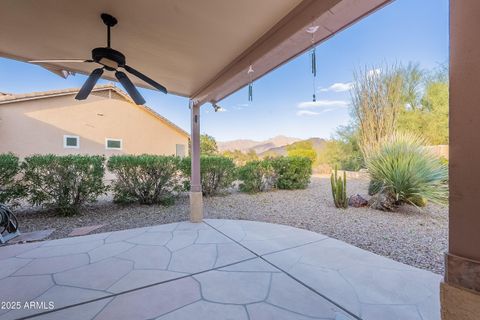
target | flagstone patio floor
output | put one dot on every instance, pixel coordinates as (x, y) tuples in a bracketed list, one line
[(217, 269)]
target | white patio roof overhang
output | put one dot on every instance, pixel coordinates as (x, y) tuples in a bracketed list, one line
[(198, 49)]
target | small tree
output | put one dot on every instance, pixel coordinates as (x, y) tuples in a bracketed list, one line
[(343, 150), (377, 100), (208, 145), (239, 157), (302, 149)]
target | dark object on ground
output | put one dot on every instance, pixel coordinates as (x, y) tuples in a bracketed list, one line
[(8, 224), (357, 201), (382, 201)]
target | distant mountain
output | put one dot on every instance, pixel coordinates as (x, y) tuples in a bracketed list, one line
[(318, 145), (257, 146)]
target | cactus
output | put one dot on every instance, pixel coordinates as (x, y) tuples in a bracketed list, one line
[(339, 189)]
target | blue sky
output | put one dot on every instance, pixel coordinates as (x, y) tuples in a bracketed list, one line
[(406, 30)]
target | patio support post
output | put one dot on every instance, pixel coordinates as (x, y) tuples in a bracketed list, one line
[(460, 291), (196, 198)]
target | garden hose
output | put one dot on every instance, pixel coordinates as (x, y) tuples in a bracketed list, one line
[(8, 221)]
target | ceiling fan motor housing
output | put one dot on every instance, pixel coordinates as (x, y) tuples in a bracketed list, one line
[(108, 57)]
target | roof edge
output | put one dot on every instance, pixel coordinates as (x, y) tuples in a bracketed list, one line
[(13, 98)]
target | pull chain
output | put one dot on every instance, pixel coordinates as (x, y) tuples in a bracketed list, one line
[(250, 83)]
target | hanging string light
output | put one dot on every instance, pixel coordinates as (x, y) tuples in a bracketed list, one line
[(250, 83), (313, 55)]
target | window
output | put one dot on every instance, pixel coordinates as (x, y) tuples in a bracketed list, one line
[(71, 142), (180, 150), (113, 144)]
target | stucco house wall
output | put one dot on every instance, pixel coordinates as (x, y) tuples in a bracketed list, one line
[(38, 126)]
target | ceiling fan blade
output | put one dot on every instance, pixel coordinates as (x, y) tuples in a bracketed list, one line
[(151, 82), (128, 85), (59, 60), (89, 84)]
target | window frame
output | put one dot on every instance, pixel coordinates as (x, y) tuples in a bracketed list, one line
[(113, 139), (184, 150), (65, 137)]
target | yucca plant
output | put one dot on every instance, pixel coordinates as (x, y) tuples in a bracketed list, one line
[(339, 189), (404, 171)]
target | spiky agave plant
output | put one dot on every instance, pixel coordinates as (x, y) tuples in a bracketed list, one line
[(405, 171)]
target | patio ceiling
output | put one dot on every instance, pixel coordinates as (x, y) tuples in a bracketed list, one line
[(198, 49)]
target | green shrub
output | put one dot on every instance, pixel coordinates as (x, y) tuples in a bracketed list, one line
[(256, 176), (407, 172), (292, 172), (217, 173), (145, 179), (10, 187), (63, 183)]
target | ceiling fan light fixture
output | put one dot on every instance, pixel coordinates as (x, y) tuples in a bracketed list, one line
[(110, 60)]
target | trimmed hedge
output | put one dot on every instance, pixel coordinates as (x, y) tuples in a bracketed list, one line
[(256, 176), (146, 179), (217, 173), (292, 172), (63, 183), (10, 187)]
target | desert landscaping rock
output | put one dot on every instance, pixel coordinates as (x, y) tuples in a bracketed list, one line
[(417, 237), (357, 201)]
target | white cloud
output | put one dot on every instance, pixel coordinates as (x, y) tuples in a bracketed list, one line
[(240, 106), (307, 113), (323, 104), (374, 72), (339, 87)]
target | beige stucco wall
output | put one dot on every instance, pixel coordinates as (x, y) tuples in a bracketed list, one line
[(39, 126)]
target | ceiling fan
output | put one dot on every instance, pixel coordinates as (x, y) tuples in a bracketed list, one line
[(110, 60)]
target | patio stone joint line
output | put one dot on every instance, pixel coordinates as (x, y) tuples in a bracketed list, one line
[(350, 313), (113, 295)]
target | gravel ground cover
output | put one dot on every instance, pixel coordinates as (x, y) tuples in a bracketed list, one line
[(417, 237)]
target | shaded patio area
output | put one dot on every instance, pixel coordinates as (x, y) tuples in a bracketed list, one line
[(218, 269)]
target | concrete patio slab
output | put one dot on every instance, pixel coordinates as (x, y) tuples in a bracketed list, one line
[(102, 265), (219, 269), (263, 238), (370, 286)]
